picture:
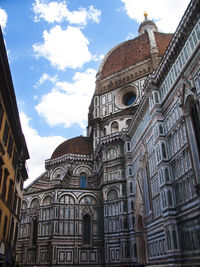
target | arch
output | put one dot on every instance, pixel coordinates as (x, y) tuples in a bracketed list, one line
[(66, 199), (87, 229), (114, 127), (128, 122), (47, 200), (24, 204), (34, 203), (82, 169), (112, 194), (88, 199)]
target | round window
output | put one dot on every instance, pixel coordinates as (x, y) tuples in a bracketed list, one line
[(129, 98), (126, 97)]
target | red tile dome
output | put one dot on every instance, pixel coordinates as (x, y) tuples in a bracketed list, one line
[(132, 52), (78, 145)]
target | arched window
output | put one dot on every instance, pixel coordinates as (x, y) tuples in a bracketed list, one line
[(83, 181), (24, 205), (87, 229), (47, 201), (114, 127), (112, 194), (34, 203)]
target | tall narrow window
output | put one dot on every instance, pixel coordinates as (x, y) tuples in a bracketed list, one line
[(164, 154), (10, 146), (131, 187), (35, 230), (10, 193), (5, 133), (87, 229), (166, 175), (5, 225), (83, 181), (175, 239), (1, 114), (1, 169), (196, 124), (6, 173)]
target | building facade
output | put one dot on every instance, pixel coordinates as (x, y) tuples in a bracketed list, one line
[(13, 154), (128, 194)]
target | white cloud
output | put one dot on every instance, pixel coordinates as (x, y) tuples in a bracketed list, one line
[(3, 18), (46, 77), (68, 103), (40, 148), (130, 36), (166, 13), (64, 48), (57, 12), (97, 58)]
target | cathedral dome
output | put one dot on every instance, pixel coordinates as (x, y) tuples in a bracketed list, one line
[(78, 145), (134, 51)]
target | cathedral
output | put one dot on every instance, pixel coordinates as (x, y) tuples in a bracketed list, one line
[(128, 194)]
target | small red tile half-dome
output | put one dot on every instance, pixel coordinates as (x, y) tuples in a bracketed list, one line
[(78, 145)]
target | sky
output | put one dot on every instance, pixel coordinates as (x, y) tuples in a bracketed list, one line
[(55, 49)]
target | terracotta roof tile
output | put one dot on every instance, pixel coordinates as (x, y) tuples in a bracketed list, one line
[(78, 145)]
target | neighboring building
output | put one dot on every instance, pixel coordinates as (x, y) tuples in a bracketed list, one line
[(129, 192), (13, 154)]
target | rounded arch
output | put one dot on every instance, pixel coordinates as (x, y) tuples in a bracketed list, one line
[(66, 199), (188, 102), (82, 169), (24, 204), (114, 127), (88, 199), (112, 194), (34, 203), (47, 200)]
